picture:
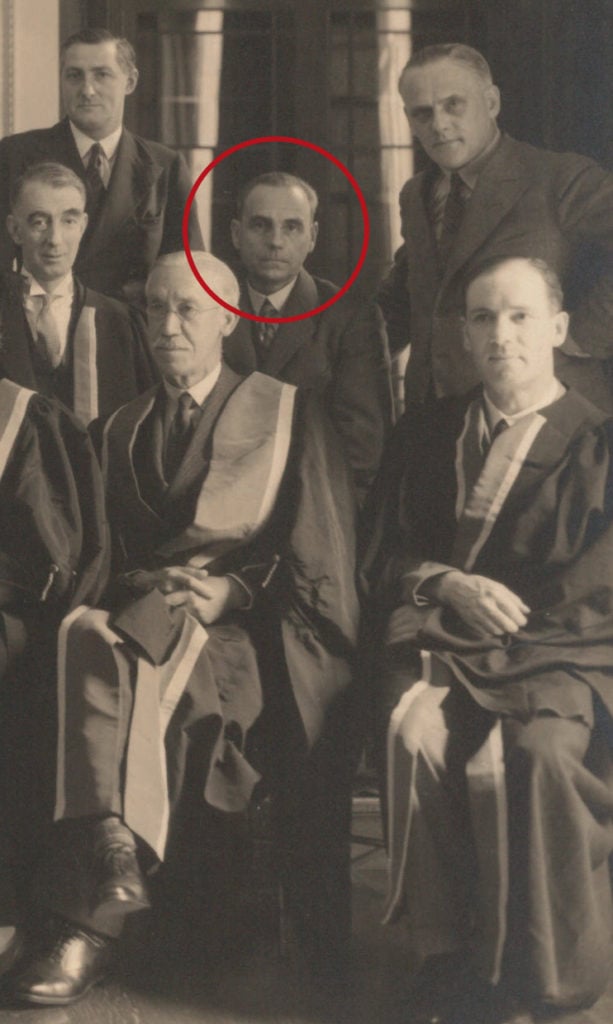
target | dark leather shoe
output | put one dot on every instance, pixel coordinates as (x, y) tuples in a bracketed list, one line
[(118, 883), (61, 968)]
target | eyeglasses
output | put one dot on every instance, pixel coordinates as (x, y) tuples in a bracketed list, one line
[(185, 311)]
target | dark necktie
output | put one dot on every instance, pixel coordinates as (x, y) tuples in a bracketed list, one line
[(266, 332), (46, 334), (453, 212), (500, 427), (93, 177), (180, 434)]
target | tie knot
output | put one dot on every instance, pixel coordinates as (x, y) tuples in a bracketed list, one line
[(186, 401), (267, 309), (95, 153)]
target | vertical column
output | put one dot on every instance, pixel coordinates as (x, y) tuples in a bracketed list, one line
[(29, 39)]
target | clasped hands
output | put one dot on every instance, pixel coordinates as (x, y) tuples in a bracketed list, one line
[(485, 605), (206, 597)]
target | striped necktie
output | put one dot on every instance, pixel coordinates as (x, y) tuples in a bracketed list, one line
[(266, 332), (458, 196), (180, 434), (93, 176), (46, 334)]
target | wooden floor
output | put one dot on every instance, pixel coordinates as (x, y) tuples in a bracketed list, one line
[(260, 989)]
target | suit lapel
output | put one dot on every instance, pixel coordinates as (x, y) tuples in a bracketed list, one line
[(196, 457), (502, 181), (239, 348), (133, 175), (291, 337)]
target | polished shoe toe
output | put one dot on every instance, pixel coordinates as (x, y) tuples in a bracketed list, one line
[(62, 968), (118, 881)]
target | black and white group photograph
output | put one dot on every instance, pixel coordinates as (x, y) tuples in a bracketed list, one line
[(306, 512)]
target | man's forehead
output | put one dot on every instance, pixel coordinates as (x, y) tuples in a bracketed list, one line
[(38, 195), (440, 77), (91, 55), (511, 283), (177, 282), (277, 200)]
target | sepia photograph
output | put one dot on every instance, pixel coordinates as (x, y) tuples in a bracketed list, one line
[(306, 514)]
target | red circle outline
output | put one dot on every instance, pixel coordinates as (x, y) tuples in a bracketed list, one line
[(296, 142)]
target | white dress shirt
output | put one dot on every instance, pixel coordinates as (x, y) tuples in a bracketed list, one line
[(277, 299), (109, 150), (60, 308)]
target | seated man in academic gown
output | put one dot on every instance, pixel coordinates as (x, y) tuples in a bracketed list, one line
[(59, 337), (234, 578), (53, 556), (492, 552)]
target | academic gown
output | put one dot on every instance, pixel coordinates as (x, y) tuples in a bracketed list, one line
[(251, 497), (536, 514), (53, 555), (106, 362)]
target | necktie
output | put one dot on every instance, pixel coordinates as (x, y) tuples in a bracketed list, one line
[(452, 215), (47, 336), (180, 434), (266, 332), (500, 427), (93, 176)]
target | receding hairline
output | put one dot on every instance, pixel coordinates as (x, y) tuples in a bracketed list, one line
[(547, 274), (209, 267), (49, 173), (459, 53), (277, 179)]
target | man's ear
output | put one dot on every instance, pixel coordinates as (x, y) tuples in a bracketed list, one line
[(235, 232), (314, 233), (132, 81), (492, 97), (84, 222), (229, 322), (561, 328), (13, 229)]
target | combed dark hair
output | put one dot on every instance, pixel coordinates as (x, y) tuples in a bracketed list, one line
[(449, 51), (126, 57), (278, 179), (551, 279), (48, 173)]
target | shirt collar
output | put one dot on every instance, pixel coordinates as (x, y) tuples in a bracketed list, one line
[(494, 415), (84, 143), (199, 391), (278, 299), (63, 288)]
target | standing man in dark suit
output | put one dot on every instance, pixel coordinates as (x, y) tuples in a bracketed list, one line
[(485, 195), (59, 337), (341, 353), (137, 188)]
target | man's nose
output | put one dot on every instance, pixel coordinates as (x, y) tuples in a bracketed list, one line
[(87, 86), (171, 324), (54, 232), (501, 329), (275, 236), (440, 120)]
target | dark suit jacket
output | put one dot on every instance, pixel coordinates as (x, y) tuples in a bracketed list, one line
[(123, 368), (142, 212), (341, 353), (527, 202)]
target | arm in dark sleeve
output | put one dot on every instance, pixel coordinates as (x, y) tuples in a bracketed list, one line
[(7, 246), (393, 298), (179, 188), (360, 399), (585, 214)]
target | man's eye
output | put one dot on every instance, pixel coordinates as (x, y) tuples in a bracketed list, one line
[(421, 116), (187, 310), (155, 308), (518, 317)]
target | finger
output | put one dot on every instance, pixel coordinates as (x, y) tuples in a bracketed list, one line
[(199, 574), (176, 598), (508, 597)]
